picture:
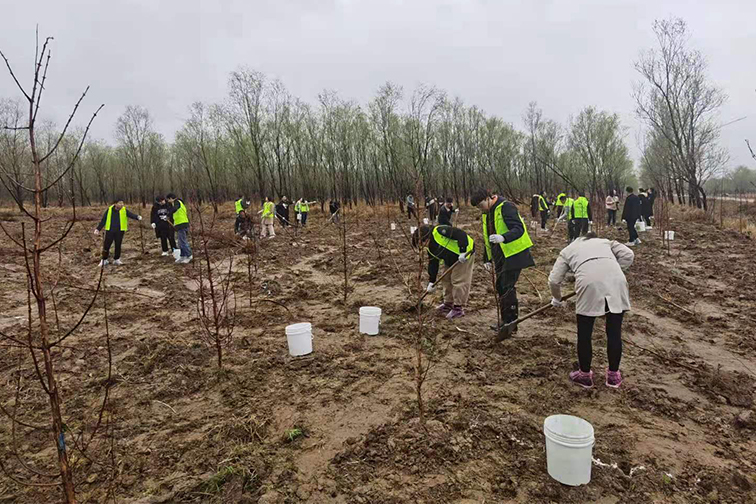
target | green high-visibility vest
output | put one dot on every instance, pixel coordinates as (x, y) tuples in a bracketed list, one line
[(542, 205), (580, 208), (268, 209), (511, 248), (180, 216), (121, 216), (239, 206), (305, 207), (559, 201), (450, 243)]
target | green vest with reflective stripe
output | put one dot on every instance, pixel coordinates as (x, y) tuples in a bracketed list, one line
[(304, 207), (268, 209), (450, 244), (542, 205), (121, 216), (560, 198), (180, 216), (511, 248), (580, 208), (239, 206)]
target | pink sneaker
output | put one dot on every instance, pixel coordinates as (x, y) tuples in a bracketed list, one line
[(613, 379), (443, 309), (582, 378), (456, 312)]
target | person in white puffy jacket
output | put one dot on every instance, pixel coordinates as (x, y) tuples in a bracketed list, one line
[(602, 290)]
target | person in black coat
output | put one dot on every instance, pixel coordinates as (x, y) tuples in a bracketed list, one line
[(334, 206), (282, 211), (162, 224), (446, 213), (645, 207), (631, 212)]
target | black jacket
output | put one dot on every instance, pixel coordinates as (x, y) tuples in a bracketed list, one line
[(631, 212), (334, 207), (282, 210), (511, 217), (243, 225), (437, 253), (115, 222), (645, 204), (445, 216), (159, 211)]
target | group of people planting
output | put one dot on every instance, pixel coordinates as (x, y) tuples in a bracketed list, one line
[(596, 263)]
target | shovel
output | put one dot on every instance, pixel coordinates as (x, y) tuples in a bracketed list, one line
[(505, 332)]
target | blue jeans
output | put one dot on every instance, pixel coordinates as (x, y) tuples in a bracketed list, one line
[(183, 242)]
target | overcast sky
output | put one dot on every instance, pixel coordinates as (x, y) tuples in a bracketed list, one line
[(496, 54)]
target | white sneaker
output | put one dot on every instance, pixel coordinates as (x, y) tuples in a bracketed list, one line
[(188, 259), (630, 244), (118, 262), (638, 241), (271, 237), (165, 254), (103, 262), (649, 228), (178, 259)]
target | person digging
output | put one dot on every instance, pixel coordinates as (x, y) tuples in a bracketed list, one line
[(115, 220), (454, 248), (602, 291)]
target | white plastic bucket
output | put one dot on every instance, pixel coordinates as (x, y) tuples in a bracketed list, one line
[(669, 235), (370, 320), (393, 226), (299, 337), (412, 229), (425, 220), (569, 449), (640, 226)]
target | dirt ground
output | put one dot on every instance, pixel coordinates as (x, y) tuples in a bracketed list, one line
[(341, 424)]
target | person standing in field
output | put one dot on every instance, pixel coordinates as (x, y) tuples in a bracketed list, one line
[(602, 290), (651, 201), (543, 209), (268, 216), (115, 220), (161, 223), (432, 206), (631, 212), (580, 215), (448, 245), (559, 204), (645, 208), (334, 206), (566, 211), (507, 251), (178, 211), (282, 212), (446, 213), (612, 205), (302, 208), (411, 207)]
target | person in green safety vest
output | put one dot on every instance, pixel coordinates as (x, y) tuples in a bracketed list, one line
[(580, 216), (302, 208), (560, 204), (241, 204), (115, 220), (506, 251), (565, 215), (268, 216), (177, 208), (543, 209), (454, 248)]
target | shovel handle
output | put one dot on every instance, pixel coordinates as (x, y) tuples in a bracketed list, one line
[(448, 270), (539, 310)]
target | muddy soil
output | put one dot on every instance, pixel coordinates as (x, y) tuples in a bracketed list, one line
[(341, 425)]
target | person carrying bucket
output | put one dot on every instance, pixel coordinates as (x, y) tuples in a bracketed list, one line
[(507, 248), (115, 220), (454, 248), (602, 290)]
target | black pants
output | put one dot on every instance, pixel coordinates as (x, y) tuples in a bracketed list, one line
[(110, 237), (304, 218), (579, 227), (411, 211), (544, 218), (613, 340), (167, 235), (611, 217), (631, 230), (506, 282)]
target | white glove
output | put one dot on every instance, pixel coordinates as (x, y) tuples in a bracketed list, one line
[(462, 258), (139, 217), (496, 238), (430, 287), (154, 225), (487, 266), (96, 231), (557, 303), (456, 210)]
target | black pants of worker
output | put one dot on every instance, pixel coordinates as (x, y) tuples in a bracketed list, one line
[(506, 289), (304, 218), (631, 229), (613, 340), (611, 217), (579, 227), (544, 218), (110, 238), (167, 236), (411, 212)]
